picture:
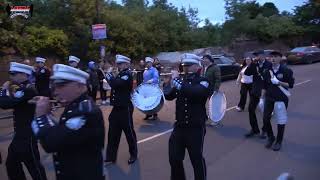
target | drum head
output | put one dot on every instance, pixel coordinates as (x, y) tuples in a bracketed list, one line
[(148, 98), (217, 106)]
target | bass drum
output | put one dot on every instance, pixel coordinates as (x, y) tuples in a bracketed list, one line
[(148, 98), (217, 106)]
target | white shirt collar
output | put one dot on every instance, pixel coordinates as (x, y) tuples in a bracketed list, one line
[(276, 68)]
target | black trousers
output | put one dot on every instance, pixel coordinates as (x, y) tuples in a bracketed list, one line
[(253, 103), (93, 93), (245, 89), (24, 151), (120, 119), (191, 139), (103, 93), (267, 114)]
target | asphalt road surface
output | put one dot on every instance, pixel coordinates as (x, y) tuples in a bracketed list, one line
[(229, 156)]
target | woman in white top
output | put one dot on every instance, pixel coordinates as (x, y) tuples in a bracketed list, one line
[(246, 84)]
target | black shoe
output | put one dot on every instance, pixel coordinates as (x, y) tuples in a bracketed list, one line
[(132, 160), (251, 134), (276, 146), (263, 135), (269, 143), (155, 117), (108, 162), (147, 117)]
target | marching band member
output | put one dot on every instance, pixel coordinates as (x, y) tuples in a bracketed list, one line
[(246, 84), (151, 76), (42, 77), (74, 61), (213, 73), (24, 147), (277, 82), (77, 140), (189, 129), (256, 69), (120, 118)]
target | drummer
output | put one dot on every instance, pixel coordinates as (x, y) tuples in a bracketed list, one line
[(151, 76)]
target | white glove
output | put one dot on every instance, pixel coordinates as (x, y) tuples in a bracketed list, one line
[(274, 80), (177, 84), (109, 76)]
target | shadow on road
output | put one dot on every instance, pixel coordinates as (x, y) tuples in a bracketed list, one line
[(114, 172)]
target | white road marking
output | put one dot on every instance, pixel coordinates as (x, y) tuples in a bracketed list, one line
[(170, 130), (300, 83), (155, 136)]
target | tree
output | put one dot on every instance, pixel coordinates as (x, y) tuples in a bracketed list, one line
[(43, 41), (269, 9), (134, 3)]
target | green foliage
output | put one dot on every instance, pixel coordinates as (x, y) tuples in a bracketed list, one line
[(43, 41), (137, 29)]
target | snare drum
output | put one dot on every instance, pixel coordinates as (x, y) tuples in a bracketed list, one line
[(148, 98)]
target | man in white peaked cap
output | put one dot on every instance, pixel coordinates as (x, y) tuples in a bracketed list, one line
[(77, 140), (191, 93), (151, 76), (24, 147), (42, 77), (73, 61), (120, 118)]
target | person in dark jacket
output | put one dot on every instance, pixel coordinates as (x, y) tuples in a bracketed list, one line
[(77, 140), (213, 73), (24, 146), (277, 82), (93, 81), (140, 70), (101, 77), (120, 118), (42, 77), (256, 69), (191, 94)]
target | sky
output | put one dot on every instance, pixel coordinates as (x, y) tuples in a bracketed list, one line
[(215, 12)]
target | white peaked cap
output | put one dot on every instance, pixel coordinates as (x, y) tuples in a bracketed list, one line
[(188, 58), (74, 58), (68, 73), (149, 59), (22, 68), (40, 59), (122, 59)]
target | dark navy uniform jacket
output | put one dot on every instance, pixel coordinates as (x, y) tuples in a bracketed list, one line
[(257, 72), (121, 88), (190, 101), (23, 112), (76, 141), (273, 92)]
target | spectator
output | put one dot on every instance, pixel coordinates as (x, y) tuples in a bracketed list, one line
[(140, 70), (246, 84), (101, 77), (93, 81)]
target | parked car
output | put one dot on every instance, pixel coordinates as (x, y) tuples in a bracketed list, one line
[(229, 68), (307, 54), (266, 53)]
